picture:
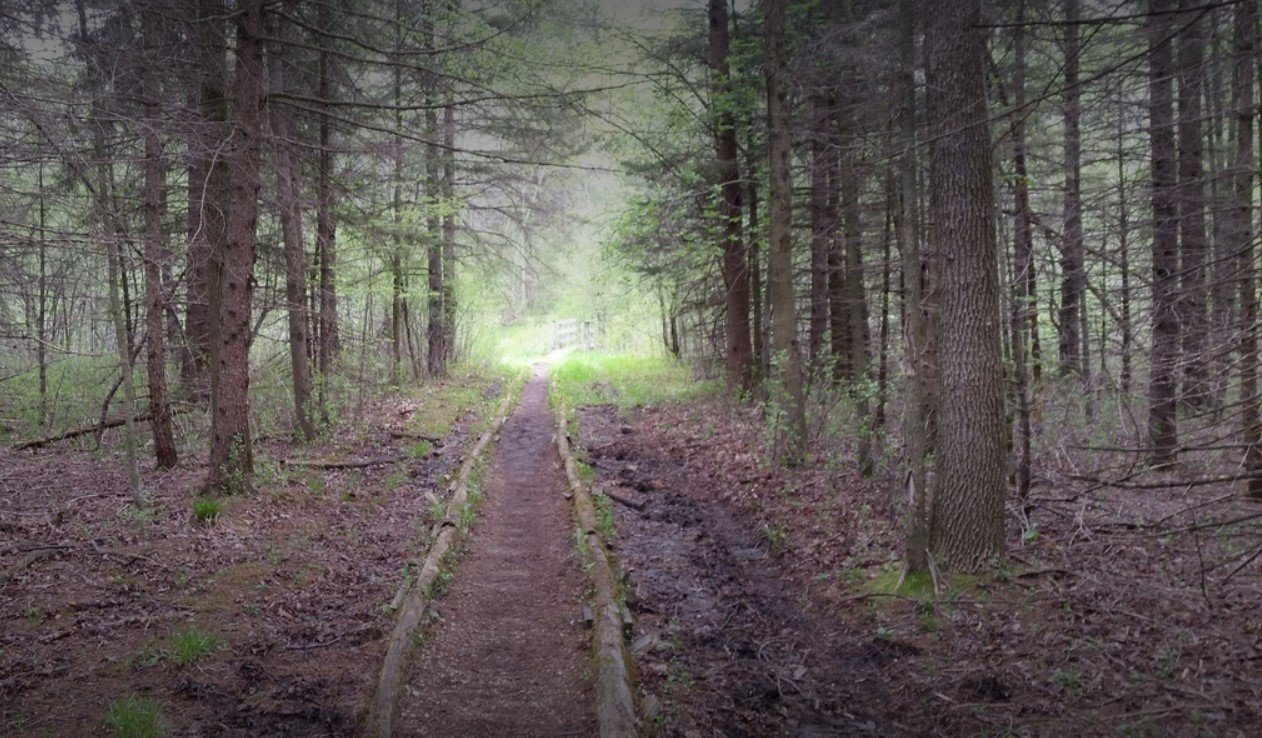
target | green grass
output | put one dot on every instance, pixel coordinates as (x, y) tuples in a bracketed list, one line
[(420, 450), (206, 509), (192, 645), (442, 406), (591, 378), (134, 717)]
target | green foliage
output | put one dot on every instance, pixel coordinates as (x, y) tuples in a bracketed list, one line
[(589, 378), (1068, 678), (420, 450), (134, 717), (777, 537), (206, 510), (604, 516), (193, 644)]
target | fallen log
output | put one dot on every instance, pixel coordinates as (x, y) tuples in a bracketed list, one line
[(353, 464), (615, 703), (91, 429)]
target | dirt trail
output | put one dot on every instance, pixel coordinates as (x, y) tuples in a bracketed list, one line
[(508, 653)]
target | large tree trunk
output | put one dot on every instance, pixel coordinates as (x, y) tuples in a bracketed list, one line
[(1242, 239), (787, 359), (822, 217), (1192, 241), (207, 192), (157, 255), (289, 201), (967, 509), (231, 458), (738, 351), (1162, 422)]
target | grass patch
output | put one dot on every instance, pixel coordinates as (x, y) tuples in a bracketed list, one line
[(420, 450), (134, 717), (206, 510), (593, 378), (192, 645), (443, 404)]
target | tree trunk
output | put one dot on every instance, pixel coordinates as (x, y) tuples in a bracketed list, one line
[(738, 351), (1242, 238), (326, 228), (289, 201), (207, 193), (231, 459), (1162, 422), (787, 361), (449, 231), (1192, 242), (1073, 293), (1023, 253), (157, 255), (823, 162), (907, 227), (967, 512)]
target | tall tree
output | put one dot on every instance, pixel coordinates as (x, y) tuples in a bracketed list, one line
[(967, 512), (1073, 258), (1241, 238), (326, 227), (1191, 202), (231, 453), (288, 168), (738, 351), (157, 253), (1162, 421), (787, 359)]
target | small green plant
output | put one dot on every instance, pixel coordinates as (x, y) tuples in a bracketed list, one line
[(604, 516), (35, 615), (777, 538), (1029, 535), (1067, 678), (437, 510), (134, 717), (141, 515), (206, 510), (420, 450), (315, 484), (192, 644)]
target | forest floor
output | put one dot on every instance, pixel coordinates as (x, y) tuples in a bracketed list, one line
[(267, 621), (766, 601)]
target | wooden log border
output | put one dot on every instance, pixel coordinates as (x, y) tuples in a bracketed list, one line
[(415, 599), (615, 703)]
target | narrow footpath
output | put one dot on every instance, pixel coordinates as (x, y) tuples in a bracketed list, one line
[(508, 654)]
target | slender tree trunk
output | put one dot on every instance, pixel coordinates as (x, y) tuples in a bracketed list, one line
[(289, 200), (1244, 111), (449, 230), (823, 162), (157, 254), (787, 361), (1073, 294), (41, 310), (907, 227), (1162, 422), (755, 279), (738, 351), (967, 512), (1023, 252), (1123, 258), (396, 253), (1191, 305), (326, 227), (231, 458)]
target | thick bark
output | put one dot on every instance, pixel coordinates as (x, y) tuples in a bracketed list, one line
[(1242, 238), (289, 202), (822, 218), (157, 254), (231, 458), (1192, 241), (1073, 274), (787, 361), (738, 351), (1162, 422), (967, 509), (207, 192), (1123, 256)]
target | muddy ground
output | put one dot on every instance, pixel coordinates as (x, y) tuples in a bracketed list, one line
[(294, 581), (760, 609)]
